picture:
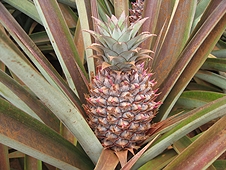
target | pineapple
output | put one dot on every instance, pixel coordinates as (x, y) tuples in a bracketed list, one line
[(136, 11), (121, 103)]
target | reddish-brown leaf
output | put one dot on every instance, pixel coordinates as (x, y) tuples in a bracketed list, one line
[(107, 161)]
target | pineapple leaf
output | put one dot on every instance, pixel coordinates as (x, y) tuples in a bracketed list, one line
[(152, 11), (194, 99), (59, 104), (36, 56), (132, 161), (212, 78), (198, 117), (215, 64), (214, 136), (26, 7), (180, 33), (107, 160), (121, 7), (108, 41), (84, 13), (120, 47), (15, 93), (195, 63), (31, 136), (121, 21), (125, 36), (160, 161), (135, 42), (136, 26), (66, 56), (45, 76)]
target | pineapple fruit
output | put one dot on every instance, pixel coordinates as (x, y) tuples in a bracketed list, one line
[(121, 103), (136, 11)]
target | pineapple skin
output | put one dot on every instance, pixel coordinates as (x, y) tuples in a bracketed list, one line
[(121, 106), (136, 11)]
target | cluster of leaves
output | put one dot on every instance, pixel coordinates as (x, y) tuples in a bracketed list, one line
[(44, 73)]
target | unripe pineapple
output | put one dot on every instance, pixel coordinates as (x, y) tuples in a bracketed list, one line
[(121, 103), (136, 11)]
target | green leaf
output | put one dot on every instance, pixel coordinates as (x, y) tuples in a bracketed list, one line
[(63, 108), (31, 137), (194, 99), (84, 12), (201, 7), (203, 48), (215, 64), (36, 56), (26, 101), (207, 148), (198, 117), (219, 53), (27, 7), (52, 18), (212, 78), (160, 161), (220, 164)]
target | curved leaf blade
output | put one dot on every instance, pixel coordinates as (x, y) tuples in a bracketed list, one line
[(207, 148), (172, 90), (63, 108), (31, 137), (193, 99), (199, 117), (216, 64), (36, 56), (24, 100), (177, 36), (62, 42), (212, 78), (26, 7)]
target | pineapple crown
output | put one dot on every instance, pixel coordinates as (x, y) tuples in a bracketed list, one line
[(118, 42)]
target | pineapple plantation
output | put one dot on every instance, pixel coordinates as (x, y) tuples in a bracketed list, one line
[(117, 84)]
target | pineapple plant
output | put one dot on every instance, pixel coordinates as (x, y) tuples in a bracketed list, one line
[(41, 107), (122, 100)]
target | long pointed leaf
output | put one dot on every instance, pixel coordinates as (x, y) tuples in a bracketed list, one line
[(31, 137), (63, 44), (36, 56), (212, 78), (199, 117), (216, 64), (208, 147), (176, 38), (85, 20), (192, 67), (194, 99), (151, 10), (63, 108), (29, 101), (26, 7), (160, 161)]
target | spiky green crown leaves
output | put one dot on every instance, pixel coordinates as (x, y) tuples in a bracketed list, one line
[(118, 42)]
